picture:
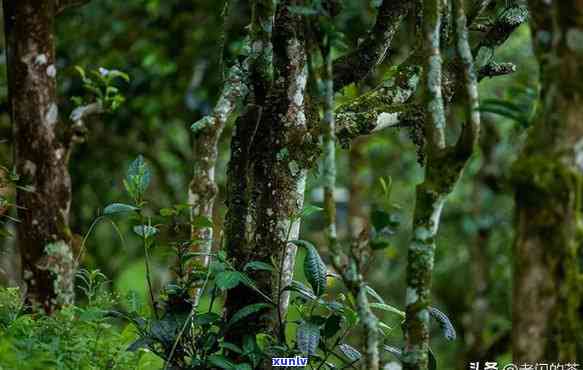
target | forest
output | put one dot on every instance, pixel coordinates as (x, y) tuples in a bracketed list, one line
[(319, 184)]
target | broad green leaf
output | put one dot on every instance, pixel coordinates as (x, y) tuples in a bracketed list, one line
[(350, 352), (246, 311), (314, 268), (221, 362), (228, 279), (243, 366), (307, 337), (257, 266), (114, 208), (206, 318), (332, 326), (303, 290), (145, 231), (138, 177), (142, 342), (232, 347), (302, 10)]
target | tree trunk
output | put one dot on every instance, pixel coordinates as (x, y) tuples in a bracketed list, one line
[(443, 168), (547, 294), (273, 142), (41, 160)]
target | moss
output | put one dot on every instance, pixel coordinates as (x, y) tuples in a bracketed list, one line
[(542, 178)]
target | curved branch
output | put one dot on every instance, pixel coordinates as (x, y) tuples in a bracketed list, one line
[(356, 65), (401, 86)]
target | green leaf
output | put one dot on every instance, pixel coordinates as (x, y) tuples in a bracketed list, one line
[(246, 311), (444, 323), (145, 231), (350, 352), (221, 362), (138, 177), (332, 326), (388, 308), (165, 212), (314, 268), (228, 279), (374, 294), (142, 342), (310, 209), (201, 222), (302, 10), (307, 337), (386, 328), (258, 266), (114, 73), (114, 208), (244, 366), (303, 290), (232, 347), (206, 318), (380, 219)]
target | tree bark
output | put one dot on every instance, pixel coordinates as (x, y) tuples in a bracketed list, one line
[(264, 201), (41, 160), (547, 290), (203, 188), (444, 167)]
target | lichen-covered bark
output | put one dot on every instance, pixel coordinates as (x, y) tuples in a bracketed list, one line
[(548, 178), (278, 159), (329, 147), (391, 104), (444, 166), (203, 188), (41, 158), (352, 273)]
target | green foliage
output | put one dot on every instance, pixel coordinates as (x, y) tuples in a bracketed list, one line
[(137, 179), (308, 336), (73, 338), (99, 84), (314, 268), (520, 109), (118, 208)]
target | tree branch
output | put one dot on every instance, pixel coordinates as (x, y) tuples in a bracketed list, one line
[(494, 69), (443, 169), (401, 86), (356, 65), (471, 130)]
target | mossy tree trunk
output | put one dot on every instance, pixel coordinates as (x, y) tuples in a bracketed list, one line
[(443, 167), (41, 152), (271, 152), (548, 284)]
